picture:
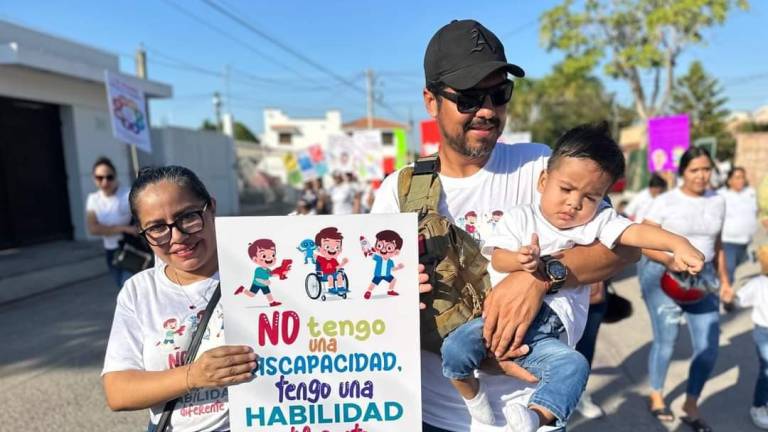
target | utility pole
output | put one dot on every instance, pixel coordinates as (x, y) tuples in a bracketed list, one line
[(369, 92), (141, 72), (217, 109), (615, 115)]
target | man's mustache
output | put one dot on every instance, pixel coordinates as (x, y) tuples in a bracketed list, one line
[(482, 123)]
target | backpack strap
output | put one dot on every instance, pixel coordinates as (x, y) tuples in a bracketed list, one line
[(419, 187)]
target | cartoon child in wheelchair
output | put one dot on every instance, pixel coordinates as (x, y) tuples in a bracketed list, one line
[(329, 276)]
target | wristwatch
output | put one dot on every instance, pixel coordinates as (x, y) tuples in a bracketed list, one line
[(555, 271)]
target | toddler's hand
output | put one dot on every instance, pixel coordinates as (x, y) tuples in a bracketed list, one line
[(688, 258), (528, 256)]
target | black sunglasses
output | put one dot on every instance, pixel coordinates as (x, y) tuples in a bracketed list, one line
[(470, 101), (108, 177), (188, 223)]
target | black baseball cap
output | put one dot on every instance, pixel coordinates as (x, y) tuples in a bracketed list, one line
[(464, 52)]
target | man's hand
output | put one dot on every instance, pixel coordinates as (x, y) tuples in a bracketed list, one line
[(528, 256), (509, 310), (688, 258), (424, 285)]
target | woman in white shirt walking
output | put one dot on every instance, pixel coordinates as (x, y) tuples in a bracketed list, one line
[(740, 218), (697, 213), (108, 214)]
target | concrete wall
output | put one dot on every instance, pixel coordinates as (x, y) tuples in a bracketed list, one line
[(210, 155), (752, 154)]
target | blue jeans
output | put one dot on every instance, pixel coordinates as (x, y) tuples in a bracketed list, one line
[(118, 275), (735, 254), (586, 345), (760, 334), (562, 371), (703, 324)]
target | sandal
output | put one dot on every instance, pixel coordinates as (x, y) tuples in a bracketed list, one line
[(663, 415), (697, 425)]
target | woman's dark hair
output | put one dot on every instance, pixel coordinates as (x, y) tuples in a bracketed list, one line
[(103, 160), (657, 181), (590, 141), (691, 154), (178, 175), (733, 171)]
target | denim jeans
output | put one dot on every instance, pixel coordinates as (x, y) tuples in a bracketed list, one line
[(703, 320), (562, 371), (735, 254), (760, 334), (586, 345), (118, 275)]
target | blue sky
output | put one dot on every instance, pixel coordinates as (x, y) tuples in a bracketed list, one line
[(345, 37)]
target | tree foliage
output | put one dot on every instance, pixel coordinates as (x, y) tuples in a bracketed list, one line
[(242, 132), (549, 106), (700, 96), (633, 38)]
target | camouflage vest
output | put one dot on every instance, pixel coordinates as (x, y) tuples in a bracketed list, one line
[(458, 272)]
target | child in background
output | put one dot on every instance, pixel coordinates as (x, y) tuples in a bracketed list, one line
[(583, 167), (755, 294)]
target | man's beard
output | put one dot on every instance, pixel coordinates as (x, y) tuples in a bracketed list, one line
[(459, 142)]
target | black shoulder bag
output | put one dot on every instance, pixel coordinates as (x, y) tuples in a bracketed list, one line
[(165, 419)]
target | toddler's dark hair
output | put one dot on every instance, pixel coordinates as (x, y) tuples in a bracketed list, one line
[(590, 141)]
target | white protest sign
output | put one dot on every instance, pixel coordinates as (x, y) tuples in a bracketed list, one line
[(332, 358), (127, 110), (369, 144)]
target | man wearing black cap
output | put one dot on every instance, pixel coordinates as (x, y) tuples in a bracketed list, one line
[(467, 91)]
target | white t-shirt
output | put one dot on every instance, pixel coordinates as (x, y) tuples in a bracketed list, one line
[(699, 219), (740, 215), (755, 293), (515, 230), (152, 328), (110, 210), (639, 205), (342, 198), (507, 179)]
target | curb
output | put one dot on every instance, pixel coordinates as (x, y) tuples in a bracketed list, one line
[(24, 285)]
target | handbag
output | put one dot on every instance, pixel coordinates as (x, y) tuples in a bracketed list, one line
[(194, 345), (133, 254), (617, 307)]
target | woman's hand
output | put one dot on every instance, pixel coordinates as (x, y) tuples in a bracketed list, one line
[(424, 285), (222, 366)]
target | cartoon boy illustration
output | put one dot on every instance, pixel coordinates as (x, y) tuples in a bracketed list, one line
[(495, 218), (262, 253), (388, 245), (171, 326), (328, 242)]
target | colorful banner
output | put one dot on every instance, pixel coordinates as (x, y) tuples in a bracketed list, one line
[(401, 149), (668, 139), (430, 137), (293, 174), (127, 111), (370, 154), (330, 305)]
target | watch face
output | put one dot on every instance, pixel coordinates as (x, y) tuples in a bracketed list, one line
[(557, 270)]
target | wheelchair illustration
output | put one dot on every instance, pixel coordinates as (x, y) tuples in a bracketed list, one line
[(316, 285)]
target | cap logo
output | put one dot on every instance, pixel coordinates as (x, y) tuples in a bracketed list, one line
[(480, 41)]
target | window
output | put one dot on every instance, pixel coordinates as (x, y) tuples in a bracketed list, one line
[(387, 138), (284, 138)]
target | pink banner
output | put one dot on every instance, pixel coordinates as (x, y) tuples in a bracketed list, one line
[(668, 138)]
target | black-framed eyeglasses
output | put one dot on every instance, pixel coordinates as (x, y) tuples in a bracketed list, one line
[(108, 177), (188, 223), (470, 101)]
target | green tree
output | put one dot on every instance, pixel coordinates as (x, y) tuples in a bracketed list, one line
[(633, 38), (700, 95), (549, 106), (242, 133)]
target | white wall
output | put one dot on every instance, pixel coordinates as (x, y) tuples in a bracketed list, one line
[(210, 155), (310, 130)]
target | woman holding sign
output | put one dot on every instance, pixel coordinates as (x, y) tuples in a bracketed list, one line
[(697, 213), (159, 310)]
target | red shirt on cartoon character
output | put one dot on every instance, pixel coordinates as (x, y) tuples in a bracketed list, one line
[(328, 242)]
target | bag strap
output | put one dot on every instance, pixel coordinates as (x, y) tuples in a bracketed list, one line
[(197, 338), (419, 187)]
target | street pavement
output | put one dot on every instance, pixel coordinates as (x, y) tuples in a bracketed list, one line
[(53, 345)]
